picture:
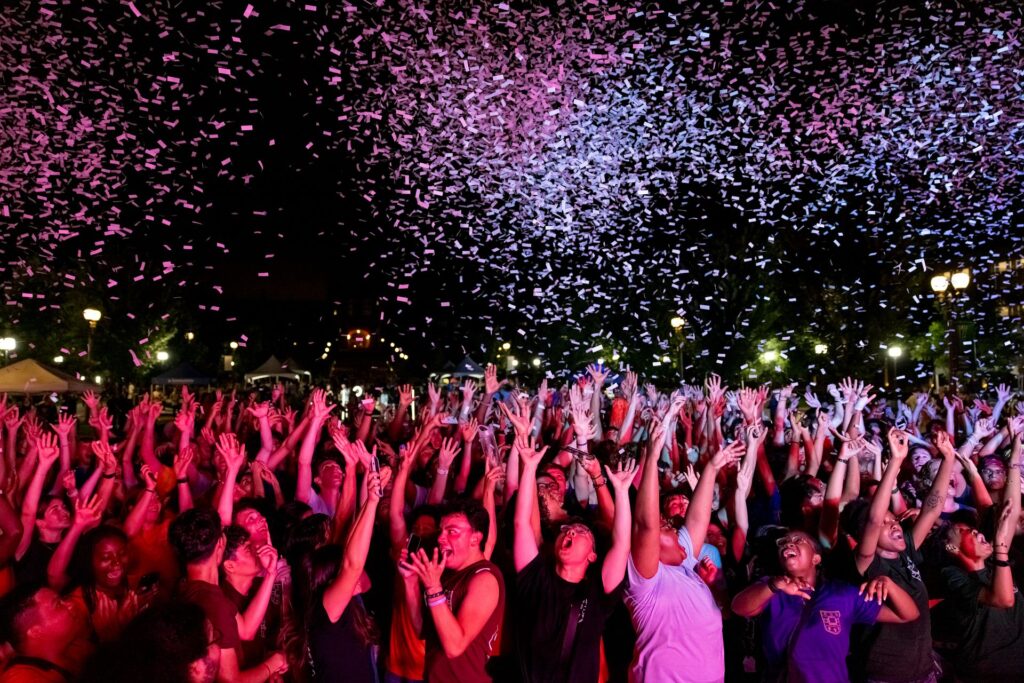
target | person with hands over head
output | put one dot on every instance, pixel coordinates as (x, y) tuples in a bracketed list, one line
[(43, 520), (678, 623), (898, 652), (199, 540), (249, 572), (340, 637), (806, 620), (982, 604), (562, 606), (462, 602)]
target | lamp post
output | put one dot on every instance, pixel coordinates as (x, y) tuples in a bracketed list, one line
[(893, 352), (92, 316), (947, 298), (7, 344), (677, 323)]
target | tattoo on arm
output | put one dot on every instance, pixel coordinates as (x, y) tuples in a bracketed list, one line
[(932, 501)]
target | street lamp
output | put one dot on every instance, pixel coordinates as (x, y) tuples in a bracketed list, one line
[(162, 356), (821, 349), (92, 316), (893, 352), (677, 323), (770, 356), (7, 344), (940, 284), (58, 359), (506, 346), (536, 362)]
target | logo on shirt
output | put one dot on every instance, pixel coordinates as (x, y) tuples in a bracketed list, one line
[(830, 620)]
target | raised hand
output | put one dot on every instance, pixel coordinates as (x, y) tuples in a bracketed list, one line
[(1003, 393), (494, 475), (105, 456), (629, 385), (92, 401), (231, 450), (469, 429), (65, 423), (468, 392), (267, 556), (899, 444), (491, 383), (148, 477), (88, 514), (864, 396), (48, 450), (405, 395), (433, 394), (428, 569), (319, 406), (520, 422), (582, 424), (756, 435), (729, 455), (182, 461), (529, 452), (260, 410), (691, 476), (984, 428), (598, 375), (377, 482), (811, 399), (446, 456)]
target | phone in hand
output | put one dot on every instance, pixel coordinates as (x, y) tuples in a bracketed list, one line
[(415, 543)]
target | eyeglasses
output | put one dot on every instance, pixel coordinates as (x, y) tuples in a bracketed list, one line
[(576, 529), (792, 539)]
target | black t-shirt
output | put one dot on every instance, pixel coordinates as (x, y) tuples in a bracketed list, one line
[(899, 652), (336, 652), (991, 639), (265, 640), (218, 609), (543, 601), (31, 568)]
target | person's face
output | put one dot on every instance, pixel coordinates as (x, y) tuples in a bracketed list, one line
[(676, 506), (330, 475), (54, 618), (458, 541), (575, 545), (56, 516), (920, 457), (244, 563), (558, 476), (891, 538), (243, 489), (550, 492), (425, 526), (109, 558), (816, 498), (993, 473), (256, 524), (716, 537), (971, 543), (797, 554)]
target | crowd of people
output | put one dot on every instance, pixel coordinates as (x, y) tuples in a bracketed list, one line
[(486, 530)]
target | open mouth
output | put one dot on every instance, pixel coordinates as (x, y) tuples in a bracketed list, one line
[(115, 575), (790, 552)]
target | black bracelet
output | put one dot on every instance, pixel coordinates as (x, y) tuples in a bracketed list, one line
[(109, 476), (433, 596), (1001, 563)]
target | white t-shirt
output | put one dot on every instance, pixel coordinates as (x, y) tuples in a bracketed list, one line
[(678, 625)]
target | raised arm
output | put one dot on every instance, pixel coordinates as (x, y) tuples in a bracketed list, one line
[(249, 620), (699, 513), (87, 516), (898, 445), (320, 411), (48, 454), (233, 454), (339, 592), (261, 413), (613, 570), (645, 547), (524, 545), (933, 502), (469, 430), (1002, 591)]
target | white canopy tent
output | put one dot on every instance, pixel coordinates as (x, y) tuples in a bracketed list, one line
[(32, 377)]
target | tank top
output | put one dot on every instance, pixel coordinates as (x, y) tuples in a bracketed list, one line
[(471, 665)]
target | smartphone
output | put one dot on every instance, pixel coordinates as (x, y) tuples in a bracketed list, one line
[(415, 543), (375, 467), (451, 420)]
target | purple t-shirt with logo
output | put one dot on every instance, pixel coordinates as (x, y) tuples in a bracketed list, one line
[(808, 642)]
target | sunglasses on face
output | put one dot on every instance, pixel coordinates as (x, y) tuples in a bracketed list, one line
[(792, 540)]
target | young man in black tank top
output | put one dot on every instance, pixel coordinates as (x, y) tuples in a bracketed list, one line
[(463, 596)]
